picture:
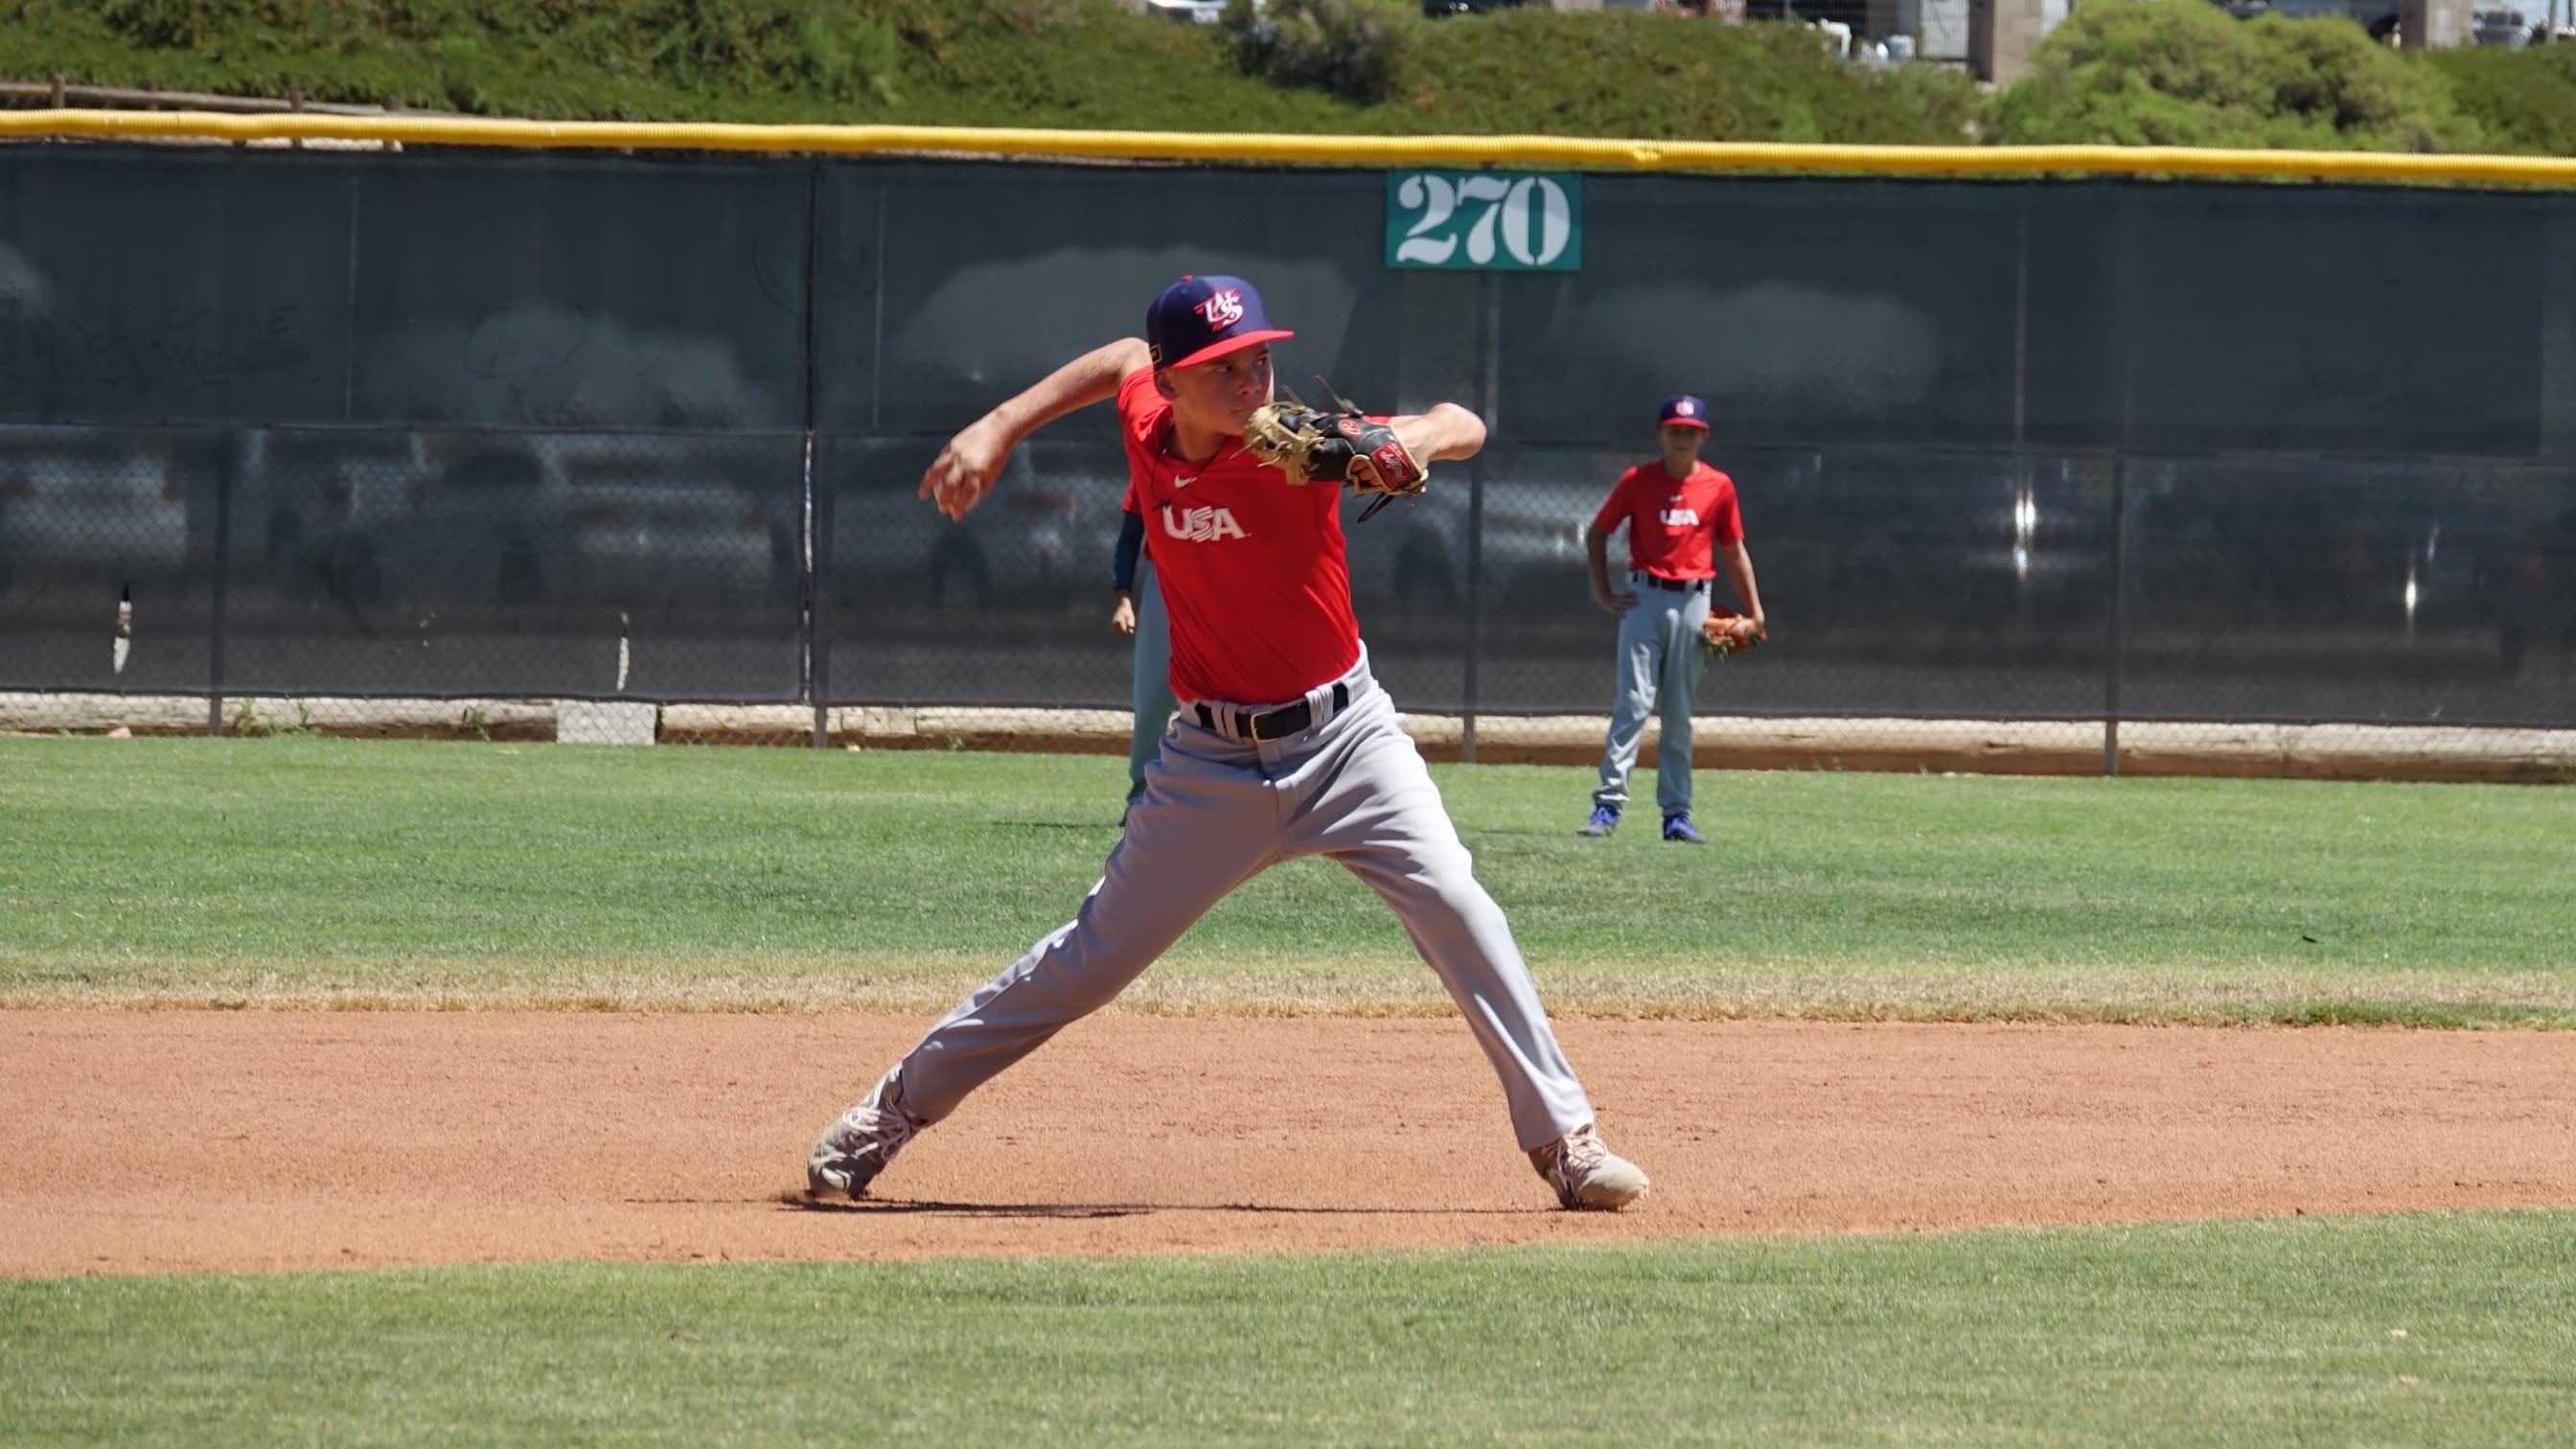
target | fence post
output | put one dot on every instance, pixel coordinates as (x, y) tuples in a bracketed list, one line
[(817, 501), (1489, 337), (218, 622), (818, 606), (2124, 331), (2115, 643)]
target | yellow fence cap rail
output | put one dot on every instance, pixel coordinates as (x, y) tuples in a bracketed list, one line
[(1447, 151)]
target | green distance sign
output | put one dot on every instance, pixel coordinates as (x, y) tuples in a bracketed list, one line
[(1484, 221)]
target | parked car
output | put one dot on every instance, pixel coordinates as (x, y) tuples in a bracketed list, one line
[(2507, 29), (2463, 564), (1893, 542), (625, 522), (80, 504), (1045, 537), (306, 500), (2354, 551), (1415, 555), (2378, 17), (2546, 567)]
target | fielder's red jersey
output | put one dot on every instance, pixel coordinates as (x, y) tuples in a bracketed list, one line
[(1255, 584), (1675, 525)]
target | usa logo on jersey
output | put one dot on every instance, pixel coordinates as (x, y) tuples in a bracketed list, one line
[(1201, 525), (1222, 309)]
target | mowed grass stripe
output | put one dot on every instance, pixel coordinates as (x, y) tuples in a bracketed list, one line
[(2430, 1328), (304, 871)]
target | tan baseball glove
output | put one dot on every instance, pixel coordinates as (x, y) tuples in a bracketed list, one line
[(1725, 633), (1312, 445)]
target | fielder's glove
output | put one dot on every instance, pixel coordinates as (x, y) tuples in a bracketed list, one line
[(1723, 633), (1343, 446)]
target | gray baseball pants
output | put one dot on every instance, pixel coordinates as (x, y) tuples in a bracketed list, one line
[(1153, 684), (1218, 810), (1659, 662)]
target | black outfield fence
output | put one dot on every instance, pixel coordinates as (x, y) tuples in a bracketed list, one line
[(484, 427)]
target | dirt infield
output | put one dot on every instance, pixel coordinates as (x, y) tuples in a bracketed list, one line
[(142, 1142)]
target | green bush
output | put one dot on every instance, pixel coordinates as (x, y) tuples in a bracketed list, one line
[(2184, 73), (1670, 77), (2524, 99), (1332, 66), (1347, 48), (2170, 72)]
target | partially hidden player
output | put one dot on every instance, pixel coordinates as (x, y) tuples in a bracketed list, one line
[(1682, 517), (1138, 613), (1284, 744)]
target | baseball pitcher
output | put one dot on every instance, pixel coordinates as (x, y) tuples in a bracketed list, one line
[(1284, 745)]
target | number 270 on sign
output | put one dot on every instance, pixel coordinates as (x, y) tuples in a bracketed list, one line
[(1483, 221)]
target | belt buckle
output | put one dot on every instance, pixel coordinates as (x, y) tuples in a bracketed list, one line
[(1281, 718)]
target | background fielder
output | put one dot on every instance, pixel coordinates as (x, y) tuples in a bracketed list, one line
[(1284, 745), (1681, 515), (1139, 613)]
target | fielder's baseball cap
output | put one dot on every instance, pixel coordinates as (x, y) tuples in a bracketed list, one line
[(1681, 410), (1200, 319)]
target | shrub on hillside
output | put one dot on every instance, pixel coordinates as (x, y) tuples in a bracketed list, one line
[(1353, 49), (2184, 73), (2525, 99), (1653, 76)]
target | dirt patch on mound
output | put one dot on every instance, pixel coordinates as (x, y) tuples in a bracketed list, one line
[(142, 1142)]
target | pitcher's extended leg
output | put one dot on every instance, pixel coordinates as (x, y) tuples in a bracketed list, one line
[(1382, 818), (1197, 834)]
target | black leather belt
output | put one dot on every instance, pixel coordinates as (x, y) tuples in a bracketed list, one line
[(1276, 724), (1678, 586)]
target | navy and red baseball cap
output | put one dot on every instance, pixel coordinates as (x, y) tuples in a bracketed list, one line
[(1200, 319), (1681, 410)]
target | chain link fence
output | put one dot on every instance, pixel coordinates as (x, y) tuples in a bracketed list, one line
[(1949, 607), (2059, 476)]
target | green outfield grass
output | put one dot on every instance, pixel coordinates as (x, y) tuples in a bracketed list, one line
[(2422, 1329), (303, 871)]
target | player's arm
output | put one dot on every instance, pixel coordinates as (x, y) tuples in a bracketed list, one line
[(1131, 542), (1445, 434), (1607, 520), (1596, 555), (1739, 568), (967, 468)]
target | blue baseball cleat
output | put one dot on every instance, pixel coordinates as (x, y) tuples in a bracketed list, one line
[(1605, 818), (1679, 827)]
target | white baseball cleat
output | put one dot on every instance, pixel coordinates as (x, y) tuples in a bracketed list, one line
[(855, 1148), (1587, 1174)]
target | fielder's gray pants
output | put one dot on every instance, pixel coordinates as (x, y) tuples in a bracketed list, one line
[(1659, 661), (1153, 686), (1218, 810)]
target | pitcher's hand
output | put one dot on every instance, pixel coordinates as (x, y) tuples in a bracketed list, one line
[(966, 470)]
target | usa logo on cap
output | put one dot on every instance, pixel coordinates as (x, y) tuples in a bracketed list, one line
[(1681, 410), (1200, 319), (1222, 309)]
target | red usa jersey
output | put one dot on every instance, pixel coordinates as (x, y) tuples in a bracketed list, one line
[(1255, 583), (1675, 525)]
